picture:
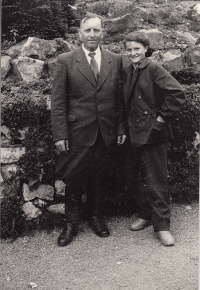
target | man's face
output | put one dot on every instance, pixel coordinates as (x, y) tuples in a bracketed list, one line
[(91, 33), (135, 51)]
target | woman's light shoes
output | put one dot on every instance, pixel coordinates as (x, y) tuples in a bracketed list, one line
[(140, 224), (165, 237)]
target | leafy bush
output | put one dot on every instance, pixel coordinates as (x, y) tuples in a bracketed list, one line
[(151, 18), (39, 161), (194, 17), (43, 19), (20, 109), (26, 106), (183, 154), (171, 17), (11, 209), (187, 76)]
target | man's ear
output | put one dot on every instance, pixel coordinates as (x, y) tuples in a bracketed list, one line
[(103, 34), (80, 34)]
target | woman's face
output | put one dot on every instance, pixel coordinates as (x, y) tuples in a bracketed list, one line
[(135, 51)]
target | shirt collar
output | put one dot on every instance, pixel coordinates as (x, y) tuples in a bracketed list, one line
[(136, 65), (97, 51), (143, 64)]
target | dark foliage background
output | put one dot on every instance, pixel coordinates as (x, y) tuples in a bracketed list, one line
[(46, 19), (26, 106)]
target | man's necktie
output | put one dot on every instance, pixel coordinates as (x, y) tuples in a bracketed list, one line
[(94, 66)]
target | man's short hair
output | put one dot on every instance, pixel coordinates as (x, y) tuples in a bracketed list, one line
[(86, 17)]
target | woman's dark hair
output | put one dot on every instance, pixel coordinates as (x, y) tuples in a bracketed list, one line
[(140, 37)]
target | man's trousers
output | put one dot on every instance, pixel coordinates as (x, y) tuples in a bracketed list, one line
[(147, 169), (86, 167)]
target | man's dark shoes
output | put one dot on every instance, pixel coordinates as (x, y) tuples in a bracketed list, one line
[(98, 226), (67, 234)]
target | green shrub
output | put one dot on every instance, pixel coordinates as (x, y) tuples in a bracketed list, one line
[(195, 20), (171, 17), (11, 209), (163, 13), (195, 25), (26, 106), (183, 154), (151, 18), (187, 76), (20, 109), (44, 19), (39, 160)]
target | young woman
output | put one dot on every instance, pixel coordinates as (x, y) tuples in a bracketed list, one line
[(152, 97)]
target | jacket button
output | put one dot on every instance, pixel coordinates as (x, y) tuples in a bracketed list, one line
[(145, 112), (140, 97)]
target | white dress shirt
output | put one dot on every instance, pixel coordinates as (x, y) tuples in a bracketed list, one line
[(97, 55)]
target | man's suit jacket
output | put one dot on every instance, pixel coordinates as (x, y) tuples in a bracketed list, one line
[(80, 106), (150, 92)]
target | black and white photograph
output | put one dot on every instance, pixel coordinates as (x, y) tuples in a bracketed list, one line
[(99, 183)]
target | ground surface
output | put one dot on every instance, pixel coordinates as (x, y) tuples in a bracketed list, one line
[(125, 260)]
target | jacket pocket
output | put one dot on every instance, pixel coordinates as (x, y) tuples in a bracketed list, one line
[(71, 118), (158, 132)]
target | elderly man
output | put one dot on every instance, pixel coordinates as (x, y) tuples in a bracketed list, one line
[(88, 121)]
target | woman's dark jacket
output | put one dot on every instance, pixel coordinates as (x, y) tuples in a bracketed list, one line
[(150, 91)]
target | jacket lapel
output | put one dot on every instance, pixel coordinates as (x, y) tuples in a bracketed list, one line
[(131, 79), (105, 67), (84, 67)]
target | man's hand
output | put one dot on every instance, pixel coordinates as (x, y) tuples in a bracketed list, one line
[(62, 145), (121, 139), (160, 119)]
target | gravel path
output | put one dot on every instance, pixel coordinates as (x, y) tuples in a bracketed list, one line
[(125, 260)]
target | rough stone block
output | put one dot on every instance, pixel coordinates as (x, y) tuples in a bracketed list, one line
[(119, 24), (1, 192), (5, 136), (43, 191), (8, 171), (1, 178), (11, 154), (57, 208), (39, 202), (5, 65), (172, 60), (155, 37), (192, 57), (197, 8), (30, 211), (48, 102), (28, 69), (185, 37), (68, 46), (60, 188), (34, 47)]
